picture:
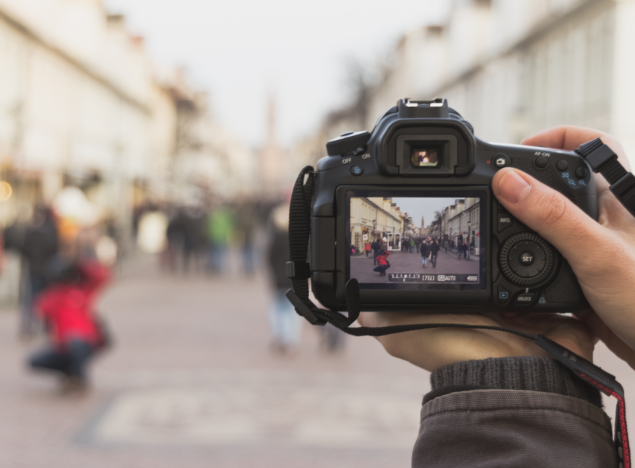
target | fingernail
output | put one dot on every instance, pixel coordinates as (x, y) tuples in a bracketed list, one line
[(513, 188)]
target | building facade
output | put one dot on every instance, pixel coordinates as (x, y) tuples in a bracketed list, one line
[(513, 68), (82, 104), (375, 218)]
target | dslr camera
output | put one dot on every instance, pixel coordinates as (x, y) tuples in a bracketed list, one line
[(409, 212)]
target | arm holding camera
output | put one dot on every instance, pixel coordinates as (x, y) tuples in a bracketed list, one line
[(488, 387)]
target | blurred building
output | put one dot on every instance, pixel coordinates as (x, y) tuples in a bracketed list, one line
[(510, 67), (81, 104), (515, 67)]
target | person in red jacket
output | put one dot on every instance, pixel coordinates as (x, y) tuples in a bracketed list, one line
[(66, 307), (382, 260)]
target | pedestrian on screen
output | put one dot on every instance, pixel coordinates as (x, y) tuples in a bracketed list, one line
[(434, 250), (382, 260), (376, 247), (425, 252), (367, 248), (445, 245)]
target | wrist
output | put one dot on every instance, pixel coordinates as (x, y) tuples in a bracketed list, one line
[(540, 374)]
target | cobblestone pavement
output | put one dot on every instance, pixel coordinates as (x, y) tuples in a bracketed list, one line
[(191, 383), (447, 263)]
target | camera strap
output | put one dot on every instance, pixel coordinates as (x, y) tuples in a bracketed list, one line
[(603, 160), (299, 271)]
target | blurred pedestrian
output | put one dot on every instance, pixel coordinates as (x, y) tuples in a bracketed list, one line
[(220, 229), (39, 246), (246, 225), (367, 248), (285, 322), (175, 234), (66, 306)]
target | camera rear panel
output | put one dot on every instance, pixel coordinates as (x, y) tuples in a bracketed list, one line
[(403, 162)]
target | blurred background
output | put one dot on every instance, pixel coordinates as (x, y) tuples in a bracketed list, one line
[(161, 138)]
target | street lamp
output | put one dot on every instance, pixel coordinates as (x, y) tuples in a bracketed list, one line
[(469, 236)]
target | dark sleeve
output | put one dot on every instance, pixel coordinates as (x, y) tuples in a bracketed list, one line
[(520, 412), (94, 275)]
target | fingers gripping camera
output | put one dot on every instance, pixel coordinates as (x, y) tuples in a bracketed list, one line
[(408, 211)]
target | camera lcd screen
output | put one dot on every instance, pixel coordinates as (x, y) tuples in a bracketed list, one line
[(417, 240)]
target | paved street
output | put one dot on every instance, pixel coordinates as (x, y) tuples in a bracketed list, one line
[(447, 263), (192, 383)]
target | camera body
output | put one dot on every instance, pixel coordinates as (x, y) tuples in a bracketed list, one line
[(409, 212)]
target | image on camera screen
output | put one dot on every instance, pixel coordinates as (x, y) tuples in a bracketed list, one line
[(418, 240)]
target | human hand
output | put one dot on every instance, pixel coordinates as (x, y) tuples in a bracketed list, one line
[(434, 348), (602, 254)]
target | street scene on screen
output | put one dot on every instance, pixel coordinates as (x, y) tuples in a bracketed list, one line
[(415, 240)]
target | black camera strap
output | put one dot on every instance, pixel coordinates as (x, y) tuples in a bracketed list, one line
[(601, 158)]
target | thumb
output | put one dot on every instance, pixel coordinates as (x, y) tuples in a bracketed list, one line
[(558, 220)]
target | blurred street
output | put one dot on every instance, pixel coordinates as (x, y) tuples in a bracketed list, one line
[(191, 382)]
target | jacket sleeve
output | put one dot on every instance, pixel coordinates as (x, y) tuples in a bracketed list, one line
[(520, 412), (95, 275)]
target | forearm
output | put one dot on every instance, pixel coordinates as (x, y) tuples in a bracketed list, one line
[(520, 412)]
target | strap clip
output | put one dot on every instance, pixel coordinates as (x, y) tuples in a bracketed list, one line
[(624, 190), (303, 309), (298, 270)]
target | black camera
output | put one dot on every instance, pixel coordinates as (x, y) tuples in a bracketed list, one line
[(408, 211)]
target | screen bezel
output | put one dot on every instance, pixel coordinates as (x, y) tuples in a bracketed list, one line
[(413, 293)]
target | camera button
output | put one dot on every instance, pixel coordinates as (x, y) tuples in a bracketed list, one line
[(504, 221), (357, 170), (526, 258), (581, 172), (541, 162), (562, 165), (501, 160), (525, 298), (503, 295)]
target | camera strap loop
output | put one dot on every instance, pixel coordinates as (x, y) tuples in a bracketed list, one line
[(603, 160), (298, 271)]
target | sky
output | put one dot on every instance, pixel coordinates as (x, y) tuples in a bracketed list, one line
[(241, 51), (417, 207)]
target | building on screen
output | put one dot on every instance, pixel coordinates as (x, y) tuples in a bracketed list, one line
[(376, 218)]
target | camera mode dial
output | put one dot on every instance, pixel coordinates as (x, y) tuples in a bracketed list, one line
[(347, 143), (526, 259)]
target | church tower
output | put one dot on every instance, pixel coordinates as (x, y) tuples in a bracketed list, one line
[(272, 158)]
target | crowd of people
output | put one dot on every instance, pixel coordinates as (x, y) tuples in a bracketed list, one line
[(427, 247), (200, 239)]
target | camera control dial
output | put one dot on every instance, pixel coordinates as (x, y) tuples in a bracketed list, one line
[(526, 259), (347, 143)]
